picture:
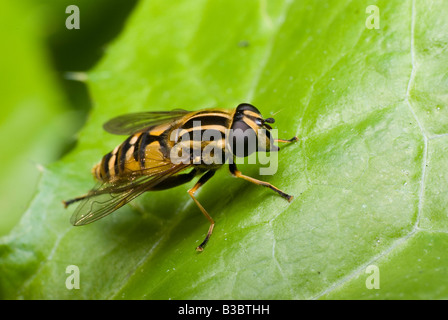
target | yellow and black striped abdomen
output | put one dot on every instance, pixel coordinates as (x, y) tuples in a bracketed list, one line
[(141, 151)]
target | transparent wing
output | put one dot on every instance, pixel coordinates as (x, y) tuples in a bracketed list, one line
[(136, 122), (107, 197)]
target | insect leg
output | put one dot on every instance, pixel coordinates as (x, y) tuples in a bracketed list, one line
[(69, 202), (175, 181), (235, 172), (287, 141), (191, 192)]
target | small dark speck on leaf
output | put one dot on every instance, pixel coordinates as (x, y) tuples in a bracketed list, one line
[(243, 44)]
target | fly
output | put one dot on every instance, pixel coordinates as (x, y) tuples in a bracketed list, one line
[(169, 148)]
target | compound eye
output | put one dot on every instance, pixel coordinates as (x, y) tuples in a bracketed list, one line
[(242, 139), (247, 107)]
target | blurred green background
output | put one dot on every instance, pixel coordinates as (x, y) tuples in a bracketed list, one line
[(42, 105)]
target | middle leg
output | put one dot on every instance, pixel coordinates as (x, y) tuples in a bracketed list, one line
[(191, 192)]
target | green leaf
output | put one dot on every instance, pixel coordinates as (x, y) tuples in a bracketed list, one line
[(368, 173), (35, 122)]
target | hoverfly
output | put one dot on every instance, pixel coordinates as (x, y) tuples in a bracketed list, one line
[(145, 161)]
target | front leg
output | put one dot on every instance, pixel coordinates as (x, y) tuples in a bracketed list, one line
[(236, 173)]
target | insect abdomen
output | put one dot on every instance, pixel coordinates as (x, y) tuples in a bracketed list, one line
[(137, 153), (114, 163)]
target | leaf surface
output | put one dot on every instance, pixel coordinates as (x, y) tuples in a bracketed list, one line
[(368, 173)]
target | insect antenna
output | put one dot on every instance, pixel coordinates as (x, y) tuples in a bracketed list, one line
[(277, 112)]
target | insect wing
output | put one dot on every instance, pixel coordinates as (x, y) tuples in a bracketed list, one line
[(108, 197), (136, 122)]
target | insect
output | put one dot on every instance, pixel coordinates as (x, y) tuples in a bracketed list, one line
[(166, 149)]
